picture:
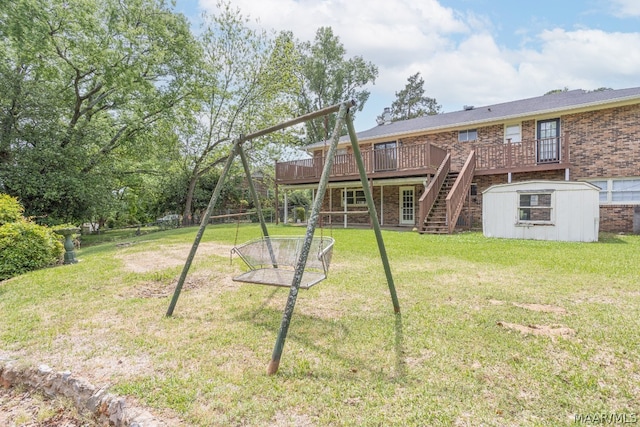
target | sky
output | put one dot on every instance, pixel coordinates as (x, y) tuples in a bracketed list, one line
[(469, 52)]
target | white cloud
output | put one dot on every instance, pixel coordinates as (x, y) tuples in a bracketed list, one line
[(456, 54), (626, 8)]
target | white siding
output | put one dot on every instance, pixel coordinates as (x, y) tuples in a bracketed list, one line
[(575, 211)]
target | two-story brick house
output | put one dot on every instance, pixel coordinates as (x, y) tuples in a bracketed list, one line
[(430, 172)]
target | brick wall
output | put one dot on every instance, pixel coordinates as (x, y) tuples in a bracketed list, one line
[(603, 144), (390, 216)]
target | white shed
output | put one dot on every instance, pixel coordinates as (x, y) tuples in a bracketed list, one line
[(542, 210)]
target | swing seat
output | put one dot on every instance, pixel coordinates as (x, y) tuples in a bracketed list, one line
[(272, 260)]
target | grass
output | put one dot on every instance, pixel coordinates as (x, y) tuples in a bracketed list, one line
[(448, 359)]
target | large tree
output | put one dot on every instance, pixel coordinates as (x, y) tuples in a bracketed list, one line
[(411, 101), (328, 77), (82, 83), (245, 83)]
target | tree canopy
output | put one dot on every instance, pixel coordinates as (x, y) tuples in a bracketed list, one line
[(411, 101), (114, 108), (84, 82), (328, 77)]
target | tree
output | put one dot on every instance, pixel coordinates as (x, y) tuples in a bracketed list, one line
[(245, 84), (83, 83), (554, 91), (328, 78), (411, 102)]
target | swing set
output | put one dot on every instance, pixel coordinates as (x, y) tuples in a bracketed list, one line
[(293, 262)]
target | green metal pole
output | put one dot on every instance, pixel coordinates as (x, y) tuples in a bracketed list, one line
[(203, 225), (372, 213), (256, 203), (304, 253)]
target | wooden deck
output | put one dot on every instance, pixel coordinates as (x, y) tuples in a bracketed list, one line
[(424, 159), (404, 161)]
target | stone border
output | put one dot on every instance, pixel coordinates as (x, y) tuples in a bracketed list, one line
[(107, 408)]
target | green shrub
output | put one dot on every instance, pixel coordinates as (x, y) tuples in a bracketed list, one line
[(10, 209), (299, 213), (25, 246)]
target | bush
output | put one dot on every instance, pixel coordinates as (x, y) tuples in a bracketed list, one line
[(10, 209), (299, 213), (24, 246)]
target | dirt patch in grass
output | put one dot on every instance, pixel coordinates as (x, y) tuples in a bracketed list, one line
[(541, 308), (193, 281), (542, 330), (169, 256)]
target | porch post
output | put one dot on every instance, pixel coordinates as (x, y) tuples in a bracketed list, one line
[(286, 208), (344, 206), (330, 206), (566, 174), (509, 177), (277, 205), (381, 204)]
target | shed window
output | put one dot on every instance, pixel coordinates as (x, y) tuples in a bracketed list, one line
[(468, 135), (535, 208)]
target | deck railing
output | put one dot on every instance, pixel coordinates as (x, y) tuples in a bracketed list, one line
[(424, 158), (458, 193), (428, 198), (513, 155), (406, 158)]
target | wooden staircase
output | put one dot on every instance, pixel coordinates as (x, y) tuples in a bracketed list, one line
[(436, 220)]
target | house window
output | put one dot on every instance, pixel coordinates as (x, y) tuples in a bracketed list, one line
[(535, 207), (353, 197), (604, 190), (468, 135), (512, 133), (619, 190), (625, 190)]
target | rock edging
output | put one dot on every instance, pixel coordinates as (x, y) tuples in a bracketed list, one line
[(107, 408)]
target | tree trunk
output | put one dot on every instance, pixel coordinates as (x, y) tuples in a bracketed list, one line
[(186, 215)]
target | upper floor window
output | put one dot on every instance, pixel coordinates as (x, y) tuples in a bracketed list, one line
[(512, 133), (468, 135)]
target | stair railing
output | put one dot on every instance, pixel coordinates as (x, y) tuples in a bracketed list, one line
[(428, 198), (458, 193)]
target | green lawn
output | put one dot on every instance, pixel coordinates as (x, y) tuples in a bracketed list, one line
[(491, 332)]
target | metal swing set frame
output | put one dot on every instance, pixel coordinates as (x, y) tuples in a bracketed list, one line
[(303, 245)]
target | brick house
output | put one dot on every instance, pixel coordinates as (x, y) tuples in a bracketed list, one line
[(430, 172)]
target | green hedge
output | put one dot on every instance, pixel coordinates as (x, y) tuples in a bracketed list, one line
[(10, 209), (24, 246)]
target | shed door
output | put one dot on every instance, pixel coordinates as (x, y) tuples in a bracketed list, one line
[(548, 146), (407, 209)]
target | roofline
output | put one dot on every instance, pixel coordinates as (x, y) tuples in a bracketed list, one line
[(574, 108)]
